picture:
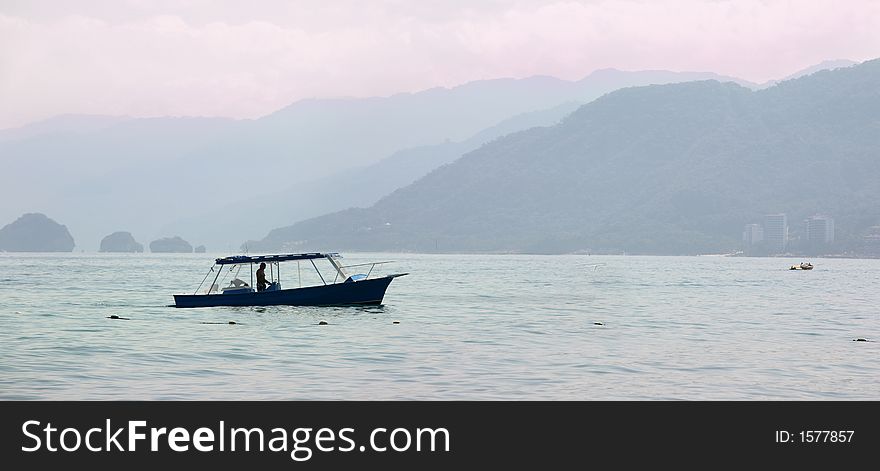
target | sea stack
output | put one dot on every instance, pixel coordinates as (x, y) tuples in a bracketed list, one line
[(34, 232), (170, 245), (120, 242)]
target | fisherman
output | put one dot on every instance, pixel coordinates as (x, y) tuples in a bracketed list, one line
[(261, 277)]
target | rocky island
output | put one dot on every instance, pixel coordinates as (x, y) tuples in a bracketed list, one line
[(35, 232), (170, 245), (120, 242)]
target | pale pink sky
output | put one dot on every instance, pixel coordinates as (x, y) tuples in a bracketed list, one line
[(248, 58)]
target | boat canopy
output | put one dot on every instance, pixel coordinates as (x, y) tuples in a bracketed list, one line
[(239, 259)]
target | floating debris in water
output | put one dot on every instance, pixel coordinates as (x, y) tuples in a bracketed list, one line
[(114, 316), (18, 312), (598, 323), (395, 322), (860, 340), (323, 323), (231, 322), (222, 323)]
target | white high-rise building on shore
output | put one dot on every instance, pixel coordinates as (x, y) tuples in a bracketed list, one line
[(776, 233), (820, 229), (753, 234)]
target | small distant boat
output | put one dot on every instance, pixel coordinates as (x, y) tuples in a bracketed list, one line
[(802, 266), (344, 289)]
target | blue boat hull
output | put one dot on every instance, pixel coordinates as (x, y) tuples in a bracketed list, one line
[(365, 292)]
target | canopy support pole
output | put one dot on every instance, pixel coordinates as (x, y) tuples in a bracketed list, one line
[(205, 278), (319, 271)]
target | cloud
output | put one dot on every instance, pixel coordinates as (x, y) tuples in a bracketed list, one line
[(219, 59)]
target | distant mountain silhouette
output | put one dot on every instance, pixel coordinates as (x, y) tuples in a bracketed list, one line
[(824, 65), (120, 242), (170, 245), (671, 169), (34, 232), (100, 173), (63, 125), (359, 187)]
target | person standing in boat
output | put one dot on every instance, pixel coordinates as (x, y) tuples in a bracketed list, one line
[(261, 278)]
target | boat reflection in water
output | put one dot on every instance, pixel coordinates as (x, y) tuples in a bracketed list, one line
[(344, 289)]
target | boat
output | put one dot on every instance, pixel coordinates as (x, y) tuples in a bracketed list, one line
[(343, 289), (802, 266)]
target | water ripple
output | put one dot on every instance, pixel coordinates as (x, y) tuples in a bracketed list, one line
[(469, 327)]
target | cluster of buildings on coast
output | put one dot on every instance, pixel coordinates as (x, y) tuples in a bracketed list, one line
[(815, 236)]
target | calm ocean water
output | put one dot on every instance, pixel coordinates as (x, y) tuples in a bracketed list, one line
[(470, 327)]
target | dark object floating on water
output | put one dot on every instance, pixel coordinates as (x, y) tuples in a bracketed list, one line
[(598, 323), (343, 289), (221, 323), (231, 322), (114, 316), (322, 323), (396, 322), (860, 340), (802, 266)]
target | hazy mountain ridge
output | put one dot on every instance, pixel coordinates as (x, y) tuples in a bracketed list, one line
[(824, 65), (359, 187), (661, 169), (106, 172), (98, 173), (63, 124)]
